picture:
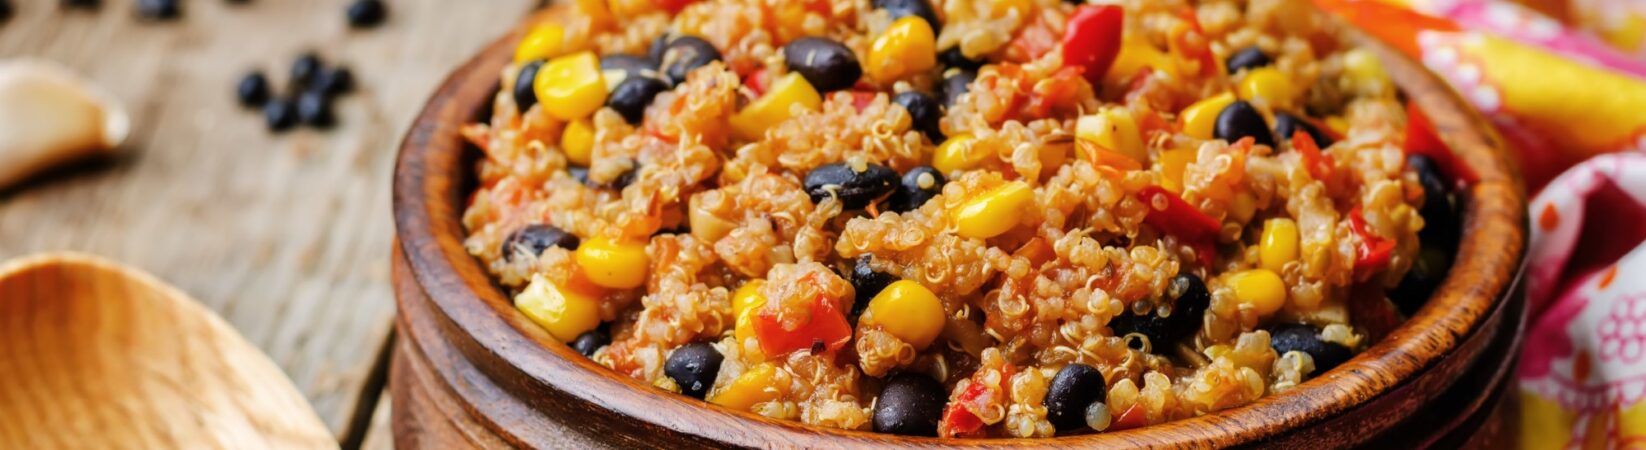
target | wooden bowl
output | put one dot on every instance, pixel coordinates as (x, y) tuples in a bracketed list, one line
[(95, 355), (473, 370)]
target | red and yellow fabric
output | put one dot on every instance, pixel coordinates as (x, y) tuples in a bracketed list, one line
[(1564, 81)]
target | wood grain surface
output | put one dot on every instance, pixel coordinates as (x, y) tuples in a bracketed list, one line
[(96, 355), (286, 236)]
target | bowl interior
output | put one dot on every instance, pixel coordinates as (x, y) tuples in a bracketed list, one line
[(435, 174)]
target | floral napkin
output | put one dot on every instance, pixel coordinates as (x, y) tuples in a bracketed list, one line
[(1564, 81)]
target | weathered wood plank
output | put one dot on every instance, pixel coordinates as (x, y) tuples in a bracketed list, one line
[(286, 236)]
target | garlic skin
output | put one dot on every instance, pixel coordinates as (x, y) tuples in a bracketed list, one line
[(49, 116)]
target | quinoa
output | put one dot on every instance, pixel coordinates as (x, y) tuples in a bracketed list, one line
[(680, 213)]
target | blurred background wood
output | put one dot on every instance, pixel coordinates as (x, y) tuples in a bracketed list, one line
[(286, 236), (157, 370)]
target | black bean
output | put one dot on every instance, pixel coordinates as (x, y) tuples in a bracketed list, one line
[(910, 405), (590, 341), (655, 51), (366, 13), (617, 68), (631, 97), (693, 367), (918, 186), (304, 69), (623, 181), (1442, 228), (252, 90), (80, 4), (581, 174), (1306, 339), (1246, 58), (525, 90), (854, 189), (1239, 120), (1189, 299), (925, 111), (828, 65), (955, 59), (685, 54), (159, 9), (1075, 387), (533, 239), (1287, 125), (334, 81), (867, 283), (314, 109), (279, 114), (955, 84), (904, 8)]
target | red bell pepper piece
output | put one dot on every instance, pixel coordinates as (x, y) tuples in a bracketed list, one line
[(674, 6), (862, 99), (1422, 140), (1091, 40), (1374, 251), (757, 81), (825, 326), (1133, 417), (1181, 220)]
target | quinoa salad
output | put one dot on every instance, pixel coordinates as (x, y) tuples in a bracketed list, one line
[(958, 218)]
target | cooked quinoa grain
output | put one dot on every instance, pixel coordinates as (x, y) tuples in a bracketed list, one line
[(1099, 190)]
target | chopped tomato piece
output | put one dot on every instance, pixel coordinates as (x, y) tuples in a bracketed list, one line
[(758, 81), (826, 327), (1374, 251), (959, 422), (1321, 166), (1092, 40), (862, 99), (674, 6), (1133, 417)]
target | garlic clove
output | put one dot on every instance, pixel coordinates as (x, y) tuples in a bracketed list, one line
[(49, 115)]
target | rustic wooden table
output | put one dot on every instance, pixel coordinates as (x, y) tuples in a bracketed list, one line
[(285, 235)]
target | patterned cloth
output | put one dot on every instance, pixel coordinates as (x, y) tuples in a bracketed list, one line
[(1565, 82)]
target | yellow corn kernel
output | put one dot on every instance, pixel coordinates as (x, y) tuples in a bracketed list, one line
[(907, 310), (776, 106), (542, 42), (759, 384), (1199, 119), (578, 142), (564, 313), (907, 47), (1338, 124), (1243, 207), (1136, 53), (1267, 86), (745, 302), (570, 87), (617, 265), (1279, 243), (1363, 68), (1260, 290), (1172, 163), (994, 211), (1114, 129), (956, 154)]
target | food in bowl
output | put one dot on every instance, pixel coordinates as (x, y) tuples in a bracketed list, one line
[(963, 218)]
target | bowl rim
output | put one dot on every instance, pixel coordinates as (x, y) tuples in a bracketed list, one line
[(427, 218)]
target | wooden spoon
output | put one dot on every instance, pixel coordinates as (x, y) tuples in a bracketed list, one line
[(97, 355)]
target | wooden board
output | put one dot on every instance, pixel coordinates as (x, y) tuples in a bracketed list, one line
[(286, 236)]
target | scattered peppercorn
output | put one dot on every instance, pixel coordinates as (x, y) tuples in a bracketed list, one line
[(279, 114), (366, 13), (253, 89), (314, 109), (304, 69), (159, 9), (335, 81)]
